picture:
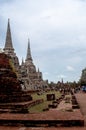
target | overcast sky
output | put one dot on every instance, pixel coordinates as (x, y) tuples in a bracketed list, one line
[(57, 33)]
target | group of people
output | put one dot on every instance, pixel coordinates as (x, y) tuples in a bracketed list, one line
[(83, 88)]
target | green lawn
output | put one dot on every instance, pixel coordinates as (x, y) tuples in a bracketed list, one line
[(41, 106)]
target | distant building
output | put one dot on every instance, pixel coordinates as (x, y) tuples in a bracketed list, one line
[(26, 72)]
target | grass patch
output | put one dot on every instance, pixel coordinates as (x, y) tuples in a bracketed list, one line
[(41, 106)]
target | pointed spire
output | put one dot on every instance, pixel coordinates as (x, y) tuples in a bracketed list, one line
[(28, 57), (62, 81), (22, 61), (8, 42), (38, 70)]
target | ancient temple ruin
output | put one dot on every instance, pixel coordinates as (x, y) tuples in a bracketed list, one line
[(26, 72), (12, 97)]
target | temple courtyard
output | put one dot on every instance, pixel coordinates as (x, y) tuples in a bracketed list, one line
[(54, 114)]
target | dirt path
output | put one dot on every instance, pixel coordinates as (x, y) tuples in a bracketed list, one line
[(81, 98)]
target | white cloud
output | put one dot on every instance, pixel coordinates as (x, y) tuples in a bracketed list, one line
[(46, 73), (61, 76), (70, 68)]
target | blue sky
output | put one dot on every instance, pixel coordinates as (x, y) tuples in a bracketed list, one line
[(57, 33)]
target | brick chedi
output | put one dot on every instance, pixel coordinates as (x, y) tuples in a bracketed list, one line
[(9, 50), (12, 97), (8, 78), (31, 78)]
